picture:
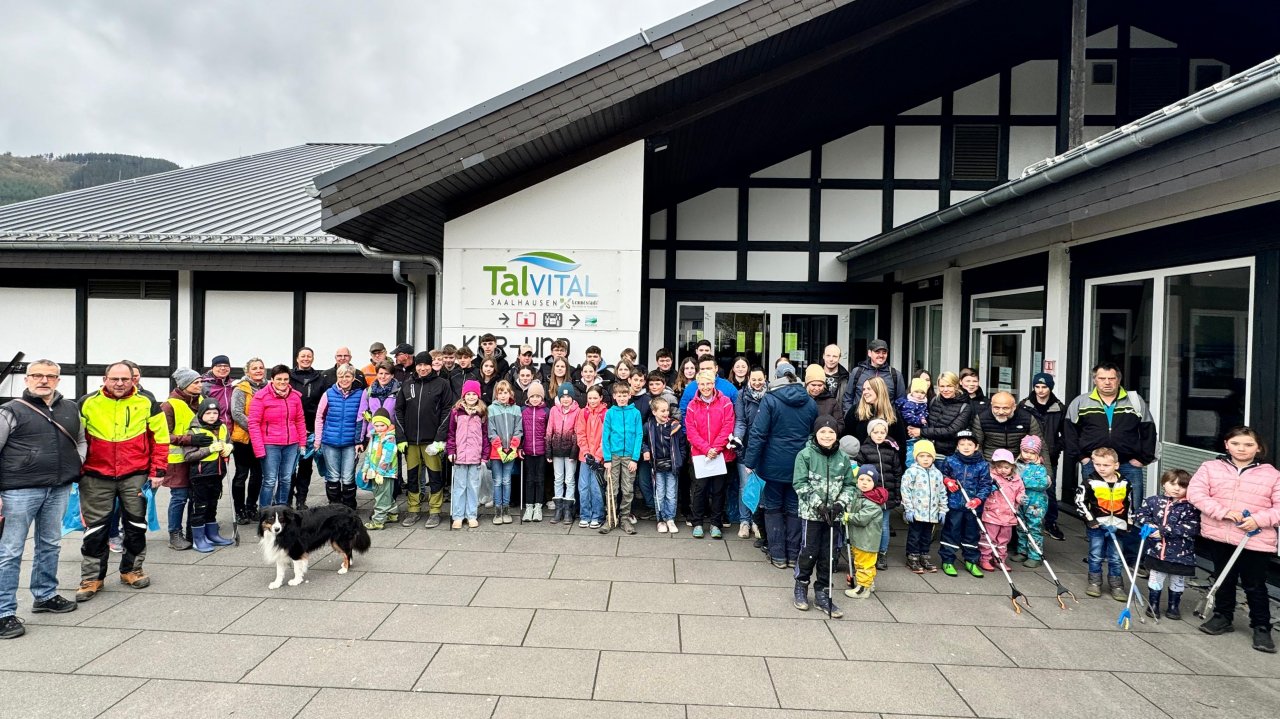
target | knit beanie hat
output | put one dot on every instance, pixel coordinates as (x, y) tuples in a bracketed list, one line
[(869, 470), (1043, 378), (206, 406), (814, 373), (850, 446), (825, 420), (220, 359), (920, 384), (535, 390), (422, 358), (184, 376), (784, 369), (381, 416), (470, 386), (924, 446), (564, 390), (876, 422), (1031, 443)]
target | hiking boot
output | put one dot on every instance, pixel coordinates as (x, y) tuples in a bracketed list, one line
[(178, 542), (716, 533), (858, 592), (1117, 589), (11, 627), (1262, 640), (1032, 564), (974, 570), (1055, 533), (822, 600), (243, 517), (506, 515), (1095, 585), (801, 598), (1017, 557), (137, 579), (88, 589), (627, 528), (410, 519), (55, 604), (882, 561), (1174, 611), (537, 512), (1216, 625), (1153, 603), (528, 514), (949, 569), (927, 565), (605, 528), (913, 563)]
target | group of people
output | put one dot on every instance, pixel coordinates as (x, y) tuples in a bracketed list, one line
[(808, 463)]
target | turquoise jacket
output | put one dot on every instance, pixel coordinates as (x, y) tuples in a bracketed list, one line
[(623, 433)]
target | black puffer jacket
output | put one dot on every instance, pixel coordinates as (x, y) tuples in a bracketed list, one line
[(310, 385), (946, 417), (889, 464)]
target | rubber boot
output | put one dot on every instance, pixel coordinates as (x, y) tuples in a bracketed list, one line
[(211, 533), (1175, 602), (333, 492), (555, 516), (1153, 603), (795, 530), (1095, 585), (776, 526), (349, 495), (200, 541)]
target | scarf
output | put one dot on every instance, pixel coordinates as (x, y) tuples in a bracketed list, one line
[(280, 394), (754, 394), (879, 495), (381, 391)]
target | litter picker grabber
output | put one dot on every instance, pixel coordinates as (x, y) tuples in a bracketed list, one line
[(1062, 590), (1132, 576), (1015, 594), (1123, 621), (1205, 610)]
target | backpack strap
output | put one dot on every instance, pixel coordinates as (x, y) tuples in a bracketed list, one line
[(47, 418)]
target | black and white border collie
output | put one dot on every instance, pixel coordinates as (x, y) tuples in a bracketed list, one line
[(288, 536)]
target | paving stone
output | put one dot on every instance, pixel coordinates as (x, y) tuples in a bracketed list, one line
[(511, 671), (677, 599), (68, 574), (397, 705), (1030, 583), (455, 625), (893, 579), (385, 559), (776, 602), (1091, 694), (1106, 650), (31, 695), (744, 551), (184, 655), (158, 551), (496, 564), (83, 612), (738, 574), (627, 631), (393, 535), (412, 589), (248, 553), (60, 649), (705, 712), (253, 581), (755, 637), (344, 664), (524, 707), (310, 618), (543, 593), (1220, 697), (917, 643), (210, 699), (680, 546), (593, 544), (684, 679), (176, 579), (1101, 613), (446, 539), (917, 688), (1227, 655), (171, 612), (974, 609), (622, 569)]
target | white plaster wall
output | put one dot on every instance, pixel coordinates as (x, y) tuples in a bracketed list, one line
[(1103, 39), (980, 98), (932, 107), (40, 322), (706, 265), (1139, 38), (778, 266), (910, 204), (1034, 88), (831, 269), (1029, 145), (350, 319), (710, 216), (657, 265), (958, 196), (657, 324), (791, 167), (850, 215), (778, 215), (658, 225), (916, 153), (856, 156), (230, 327), (1099, 99), (137, 330)]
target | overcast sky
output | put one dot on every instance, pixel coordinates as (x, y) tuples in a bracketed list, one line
[(206, 80)]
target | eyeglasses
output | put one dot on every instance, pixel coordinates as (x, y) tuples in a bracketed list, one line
[(119, 379), (42, 377)]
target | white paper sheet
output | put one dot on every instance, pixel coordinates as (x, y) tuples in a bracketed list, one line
[(703, 467)]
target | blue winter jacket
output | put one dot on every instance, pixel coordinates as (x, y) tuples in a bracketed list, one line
[(972, 472), (622, 433), (725, 386), (660, 442), (745, 410), (342, 417), (780, 430)]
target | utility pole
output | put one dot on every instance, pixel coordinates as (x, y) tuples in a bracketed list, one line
[(1075, 97)]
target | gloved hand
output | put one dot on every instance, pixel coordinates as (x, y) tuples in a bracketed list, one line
[(734, 443), (507, 455), (942, 517), (973, 503), (838, 509), (402, 447), (909, 516), (226, 449), (435, 448), (201, 440), (951, 484)]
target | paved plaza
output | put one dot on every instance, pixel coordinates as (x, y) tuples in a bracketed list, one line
[(545, 620)]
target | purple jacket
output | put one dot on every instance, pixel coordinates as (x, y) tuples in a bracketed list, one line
[(534, 420), (468, 437)]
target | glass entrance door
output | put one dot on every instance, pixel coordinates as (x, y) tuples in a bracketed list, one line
[(764, 332), (804, 337), (1005, 361), (740, 334)]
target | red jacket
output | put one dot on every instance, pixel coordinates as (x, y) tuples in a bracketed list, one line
[(276, 420), (589, 429), (709, 424), (126, 436), (1219, 487)]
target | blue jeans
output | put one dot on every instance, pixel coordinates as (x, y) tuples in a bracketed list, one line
[(744, 512), (44, 506), (339, 464), (665, 496), (1136, 477), (590, 498), (501, 481), (644, 478), (566, 476), (277, 474), (884, 532), (177, 505), (732, 495), (780, 495), (1100, 546), (464, 496)]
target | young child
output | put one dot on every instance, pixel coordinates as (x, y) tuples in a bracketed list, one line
[(379, 467), (208, 466), (663, 449), (467, 438), (924, 504), (998, 517), (823, 480), (1035, 480), (1171, 550), (588, 428), (864, 517), (533, 450), (621, 445), (881, 452), (1103, 498), (562, 451), (505, 433), (966, 468), (914, 408)]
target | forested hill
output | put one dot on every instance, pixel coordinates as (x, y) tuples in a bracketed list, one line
[(26, 178)]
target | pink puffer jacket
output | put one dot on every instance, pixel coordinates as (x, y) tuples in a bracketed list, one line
[(709, 424), (276, 420), (995, 510), (1219, 487)]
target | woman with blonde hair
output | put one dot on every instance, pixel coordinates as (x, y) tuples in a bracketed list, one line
[(948, 414), (875, 403)]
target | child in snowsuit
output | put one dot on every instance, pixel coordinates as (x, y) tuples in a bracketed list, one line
[(533, 422), (466, 442), (823, 480), (864, 519), (914, 408), (621, 443), (505, 434), (1035, 479), (879, 451), (924, 504), (966, 468), (1104, 500), (208, 466), (998, 516), (1171, 552), (379, 467), (663, 449)]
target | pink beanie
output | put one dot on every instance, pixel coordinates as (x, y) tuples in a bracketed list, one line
[(470, 386)]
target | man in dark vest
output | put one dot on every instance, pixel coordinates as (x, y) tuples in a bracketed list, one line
[(1003, 424)]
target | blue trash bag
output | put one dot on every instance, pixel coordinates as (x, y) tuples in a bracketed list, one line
[(71, 521), (751, 491), (153, 518)]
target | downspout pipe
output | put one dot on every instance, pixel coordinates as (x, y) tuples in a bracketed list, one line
[(412, 291), (437, 268)]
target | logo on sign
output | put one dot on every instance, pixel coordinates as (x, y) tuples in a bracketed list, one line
[(540, 279), (552, 319), (526, 319)]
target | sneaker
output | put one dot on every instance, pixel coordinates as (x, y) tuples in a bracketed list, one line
[(755, 532), (604, 529), (1216, 625), (858, 592), (779, 563), (116, 544), (1017, 557), (506, 515), (537, 513), (432, 522), (697, 532), (410, 519), (243, 518), (11, 627), (372, 525), (136, 579), (929, 567), (88, 589), (528, 514), (1262, 640), (584, 523), (913, 563), (1032, 564), (822, 601), (457, 524), (882, 561), (55, 604), (744, 530), (974, 570), (1055, 533), (472, 523), (497, 516), (662, 527), (949, 569), (595, 524), (716, 533), (672, 526)]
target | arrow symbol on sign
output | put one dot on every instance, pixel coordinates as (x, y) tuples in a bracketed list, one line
[(504, 319), (574, 320)]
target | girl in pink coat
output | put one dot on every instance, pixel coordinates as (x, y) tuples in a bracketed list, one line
[(708, 422), (998, 517), (1224, 489), (278, 433)]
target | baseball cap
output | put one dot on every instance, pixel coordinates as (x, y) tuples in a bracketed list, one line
[(377, 347), (876, 345), (403, 349)]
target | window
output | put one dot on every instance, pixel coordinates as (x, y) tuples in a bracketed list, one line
[(975, 152), (1009, 307), (1102, 73), (111, 289), (926, 338)]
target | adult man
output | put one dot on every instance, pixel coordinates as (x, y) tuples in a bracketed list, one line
[(489, 348), (1111, 416), (41, 448), (1045, 406), (403, 357), (726, 387), (1003, 424), (876, 364), (422, 406), (128, 443), (665, 363), (703, 349), (377, 353), (341, 356), (218, 385), (836, 375)]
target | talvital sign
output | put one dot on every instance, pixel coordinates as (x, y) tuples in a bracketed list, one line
[(542, 279)]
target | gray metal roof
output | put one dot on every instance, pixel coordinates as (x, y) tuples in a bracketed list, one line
[(258, 200)]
